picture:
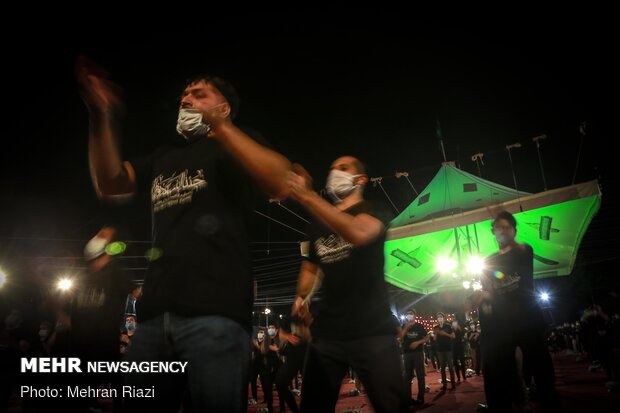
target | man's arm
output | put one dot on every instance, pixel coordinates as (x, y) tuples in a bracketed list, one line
[(307, 283), (267, 167), (404, 330), (110, 175), (359, 230), (423, 340)]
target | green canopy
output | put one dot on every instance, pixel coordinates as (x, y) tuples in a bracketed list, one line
[(452, 218)]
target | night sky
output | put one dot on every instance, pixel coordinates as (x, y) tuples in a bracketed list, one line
[(318, 88)]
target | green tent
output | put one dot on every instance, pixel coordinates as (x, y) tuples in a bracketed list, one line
[(452, 219)]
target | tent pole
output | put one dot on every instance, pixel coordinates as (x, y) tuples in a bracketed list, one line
[(537, 139)]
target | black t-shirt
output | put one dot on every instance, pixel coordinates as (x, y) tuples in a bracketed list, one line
[(509, 278), (354, 299), (443, 343), (98, 309), (458, 344), (414, 333), (272, 358), (259, 358), (201, 203)]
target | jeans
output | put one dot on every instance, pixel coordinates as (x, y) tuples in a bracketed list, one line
[(217, 350), (445, 360)]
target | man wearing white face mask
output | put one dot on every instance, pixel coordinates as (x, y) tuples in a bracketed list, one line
[(445, 335), (202, 192), (353, 324), (414, 337)]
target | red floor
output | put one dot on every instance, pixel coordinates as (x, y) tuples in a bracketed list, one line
[(579, 390)]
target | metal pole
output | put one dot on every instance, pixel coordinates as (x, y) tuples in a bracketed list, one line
[(537, 139)]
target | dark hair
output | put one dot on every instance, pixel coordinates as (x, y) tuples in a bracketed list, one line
[(506, 216), (359, 165), (226, 89)]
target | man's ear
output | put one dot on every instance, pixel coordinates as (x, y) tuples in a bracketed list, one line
[(225, 110), (361, 180)]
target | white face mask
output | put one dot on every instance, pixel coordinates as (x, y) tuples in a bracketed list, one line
[(455, 324), (190, 124), (95, 248), (260, 336), (272, 332), (340, 184), (440, 319), (409, 318)]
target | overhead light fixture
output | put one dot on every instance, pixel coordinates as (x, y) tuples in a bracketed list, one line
[(475, 265), (65, 284), (446, 265)]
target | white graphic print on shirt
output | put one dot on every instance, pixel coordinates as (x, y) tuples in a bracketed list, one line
[(413, 335), (332, 249), (176, 190)]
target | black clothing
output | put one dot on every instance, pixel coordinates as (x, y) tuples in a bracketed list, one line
[(201, 202), (354, 300)]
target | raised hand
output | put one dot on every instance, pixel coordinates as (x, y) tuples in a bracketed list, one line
[(100, 95), (299, 182)]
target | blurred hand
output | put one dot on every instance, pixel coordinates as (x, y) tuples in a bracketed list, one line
[(299, 182), (99, 94), (293, 339)]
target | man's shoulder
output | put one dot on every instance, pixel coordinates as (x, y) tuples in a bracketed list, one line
[(376, 209)]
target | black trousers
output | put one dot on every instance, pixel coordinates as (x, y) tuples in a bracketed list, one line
[(415, 361), (288, 371), (501, 383), (377, 362), (458, 359)]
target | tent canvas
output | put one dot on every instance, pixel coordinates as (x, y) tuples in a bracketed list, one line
[(451, 218)]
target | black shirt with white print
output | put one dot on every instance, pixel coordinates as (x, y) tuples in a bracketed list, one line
[(354, 300), (201, 203), (414, 333)]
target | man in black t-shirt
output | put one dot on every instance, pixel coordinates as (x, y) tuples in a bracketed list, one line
[(458, 351), (353, 324), (413, 337), (293, 349), (198, 292), (511, 318), (445, 336)]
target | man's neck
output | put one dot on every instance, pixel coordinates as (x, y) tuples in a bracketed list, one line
[(354, 198), (507, 248)]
